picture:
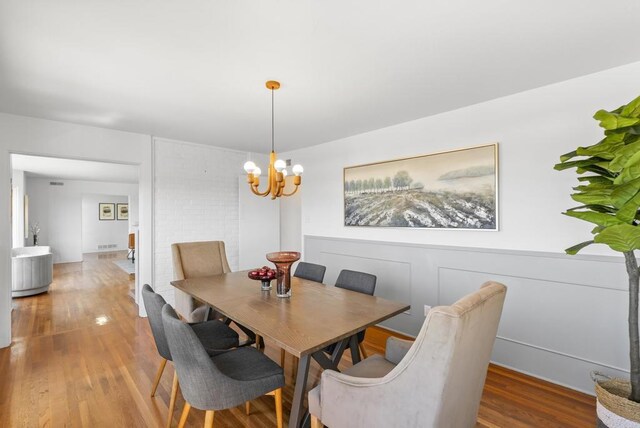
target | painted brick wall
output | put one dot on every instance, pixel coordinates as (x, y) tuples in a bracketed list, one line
[(196, 199)]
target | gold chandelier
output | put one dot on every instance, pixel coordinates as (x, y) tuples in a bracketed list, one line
[(277, 172)]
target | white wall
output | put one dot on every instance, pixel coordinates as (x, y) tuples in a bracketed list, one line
[(96, 232), (59, 211), (533, 128), (49, 138), (196, 199), (17, 211)]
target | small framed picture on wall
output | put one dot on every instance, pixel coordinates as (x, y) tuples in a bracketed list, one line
[(122, 211), (106, 211)]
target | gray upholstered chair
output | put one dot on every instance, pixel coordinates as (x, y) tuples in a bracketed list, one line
[(194, 260), (435, 381), (310, 271), (222, 381), (214, 336), (360, 282)]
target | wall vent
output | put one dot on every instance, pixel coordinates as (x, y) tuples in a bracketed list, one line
[(56, 183), (288, 162)]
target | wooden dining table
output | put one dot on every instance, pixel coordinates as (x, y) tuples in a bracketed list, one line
[(315, 316)]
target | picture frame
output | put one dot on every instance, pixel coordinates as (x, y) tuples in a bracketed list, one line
[(106, 211), (122, 211), (453, 190)]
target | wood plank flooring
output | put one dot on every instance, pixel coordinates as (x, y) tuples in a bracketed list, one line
[(82, 357)]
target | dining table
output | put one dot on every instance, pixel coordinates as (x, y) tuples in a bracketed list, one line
[(304, 325)]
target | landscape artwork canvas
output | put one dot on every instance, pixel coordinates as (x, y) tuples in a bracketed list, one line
[(449, 190)]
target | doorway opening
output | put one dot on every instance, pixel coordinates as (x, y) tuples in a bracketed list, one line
[(74, 212)]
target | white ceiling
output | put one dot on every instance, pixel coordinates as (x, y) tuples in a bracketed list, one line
[(72, 169), (195, 70)]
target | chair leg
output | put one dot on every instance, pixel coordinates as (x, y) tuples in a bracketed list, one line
[(208, 419), (315, 422), (185, 414), (172, 401), (247, 407), (282, 355), (362, 351), (163, 363), (278, 400)]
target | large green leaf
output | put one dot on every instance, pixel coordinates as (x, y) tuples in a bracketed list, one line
[(596, 208), (622, 237), (627, 213), (605, 149), (574, 250), (614, 121), (600, 219), (594, 160), (624, 192), (632, 109), (631, 171), (623, 156), (596, 179)]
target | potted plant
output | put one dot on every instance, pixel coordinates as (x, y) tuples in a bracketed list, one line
[(609, 197)]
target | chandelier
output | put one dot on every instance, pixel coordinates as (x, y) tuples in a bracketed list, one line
[(277, 171)]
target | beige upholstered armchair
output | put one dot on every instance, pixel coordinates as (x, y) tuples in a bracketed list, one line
[(435, 381), (193, 260)]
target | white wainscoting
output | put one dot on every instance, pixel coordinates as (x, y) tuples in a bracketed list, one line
[(564, 316)]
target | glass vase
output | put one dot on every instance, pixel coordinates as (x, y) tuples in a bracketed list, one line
[(283, 261)]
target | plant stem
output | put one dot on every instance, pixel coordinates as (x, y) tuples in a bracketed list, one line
[(634, 336)]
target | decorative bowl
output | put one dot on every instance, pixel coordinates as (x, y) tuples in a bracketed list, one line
[(264, 274)]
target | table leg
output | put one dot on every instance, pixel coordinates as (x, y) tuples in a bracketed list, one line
[(297, 406), (355, 352), (339, 350)]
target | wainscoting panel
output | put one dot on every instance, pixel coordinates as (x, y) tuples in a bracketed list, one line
[(563, 317)]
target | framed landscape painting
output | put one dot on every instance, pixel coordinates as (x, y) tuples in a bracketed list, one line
[(457, 189), (106, 211)]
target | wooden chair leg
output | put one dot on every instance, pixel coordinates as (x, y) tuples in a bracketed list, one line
[(163, 363), (185, 414), (208, 419), (172, 400), (278, 400), (362, 351), (258, 341), (247, 407), (282, 355), (315, 422)]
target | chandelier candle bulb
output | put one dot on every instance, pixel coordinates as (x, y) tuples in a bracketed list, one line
[(297, 169), (249, 167), (256, 172), (280, 165)]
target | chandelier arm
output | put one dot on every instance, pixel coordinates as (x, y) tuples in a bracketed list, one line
[(292, 192), (254, 189)]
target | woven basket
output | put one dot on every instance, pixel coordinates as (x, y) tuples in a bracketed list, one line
[(612, 394)]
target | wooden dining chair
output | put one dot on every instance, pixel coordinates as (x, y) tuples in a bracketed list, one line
[(213, 335), (219, 382)]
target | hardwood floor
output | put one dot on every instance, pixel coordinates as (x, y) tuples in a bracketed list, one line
[(82, 357)]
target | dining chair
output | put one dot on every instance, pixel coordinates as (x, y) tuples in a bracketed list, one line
[(195, 260), (310, 271), (214, 336), (434, 381), (360, 282), (223, 381)]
